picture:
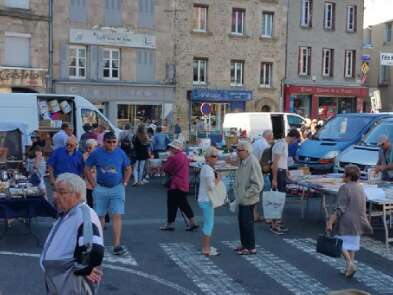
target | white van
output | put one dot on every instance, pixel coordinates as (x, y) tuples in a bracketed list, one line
[(253, 124), (46, 112)]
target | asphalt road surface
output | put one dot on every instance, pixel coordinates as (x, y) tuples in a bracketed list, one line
[(170, 262)]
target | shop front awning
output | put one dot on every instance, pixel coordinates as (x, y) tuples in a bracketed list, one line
[(220, 95)]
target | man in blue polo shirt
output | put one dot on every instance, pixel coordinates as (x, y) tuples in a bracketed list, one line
[(66, 159), (113, 173)]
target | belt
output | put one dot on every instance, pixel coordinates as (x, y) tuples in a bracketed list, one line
[(108, 186)]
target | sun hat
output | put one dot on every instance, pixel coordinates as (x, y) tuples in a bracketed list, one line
[(176, 144)]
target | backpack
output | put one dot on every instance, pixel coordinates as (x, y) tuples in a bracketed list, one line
[(266, 160), (126, 144)]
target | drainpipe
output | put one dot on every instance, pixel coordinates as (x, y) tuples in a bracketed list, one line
[(281, 106), (50, 46)]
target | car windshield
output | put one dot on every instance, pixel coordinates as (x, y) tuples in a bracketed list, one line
[(385, 128), (342, 128)]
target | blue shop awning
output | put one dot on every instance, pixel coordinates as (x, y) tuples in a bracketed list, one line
[(218, 95)]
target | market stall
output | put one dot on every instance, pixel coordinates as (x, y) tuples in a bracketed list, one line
[(379, 196), (19, 198)]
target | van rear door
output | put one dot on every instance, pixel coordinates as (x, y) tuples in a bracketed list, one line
[(278, 125)]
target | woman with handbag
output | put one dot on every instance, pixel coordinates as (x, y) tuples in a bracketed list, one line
[(177, 168), (350, 217), (208, 180)]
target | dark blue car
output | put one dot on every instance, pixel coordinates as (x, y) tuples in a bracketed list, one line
[(319, 153)]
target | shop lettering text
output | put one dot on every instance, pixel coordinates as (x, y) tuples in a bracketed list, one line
[(318, 90), (20, 77)]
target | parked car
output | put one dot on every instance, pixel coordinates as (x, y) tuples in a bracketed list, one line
[(320, 152), (365, 152), (253, 124)]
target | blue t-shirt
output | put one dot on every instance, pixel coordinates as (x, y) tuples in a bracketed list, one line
[(62, 162), (109, 165)]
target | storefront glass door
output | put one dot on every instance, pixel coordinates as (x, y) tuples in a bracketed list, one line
[(138, 114)]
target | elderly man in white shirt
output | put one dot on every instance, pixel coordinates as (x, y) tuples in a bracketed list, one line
[(262, 143)]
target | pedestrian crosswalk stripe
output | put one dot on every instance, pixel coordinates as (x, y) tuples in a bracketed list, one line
[(283, 272), (201, 270), (367, 275), (125, 259), (377, 247)]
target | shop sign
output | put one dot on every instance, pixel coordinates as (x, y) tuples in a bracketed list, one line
[(386, 59), (335, 91), (22, 77), (203, 94), (112, 38)]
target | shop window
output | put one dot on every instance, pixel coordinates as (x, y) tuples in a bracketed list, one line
[(306, 13), (24, 4), (327, 62), (329, 16), (350, 61), (267, 24), (111, 69), (304, 61), (237, 73), (351, 18), (137, 114), (266, 74), (238, 21), (301, 105), (199, 18), (199, 68), (201, 124), (17, 50), (388, 32), (77, 62)]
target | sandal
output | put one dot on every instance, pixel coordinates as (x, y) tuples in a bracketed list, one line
[(213, 252), (247, 252), (238, 248), (167, 228)]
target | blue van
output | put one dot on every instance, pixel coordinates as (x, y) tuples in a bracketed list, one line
[(319, 152)]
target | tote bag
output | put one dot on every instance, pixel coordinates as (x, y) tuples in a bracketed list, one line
[(273, 204), (218, 195)]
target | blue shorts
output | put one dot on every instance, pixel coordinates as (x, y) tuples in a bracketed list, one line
[(109, 199), (208, 217)]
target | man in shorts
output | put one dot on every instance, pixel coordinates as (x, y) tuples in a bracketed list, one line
[(113, 173)]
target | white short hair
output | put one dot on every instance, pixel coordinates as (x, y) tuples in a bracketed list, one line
[(245, 145), (91, 141), (211, 151), (75, 183)]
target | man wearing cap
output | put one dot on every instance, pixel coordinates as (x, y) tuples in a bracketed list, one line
[(385, 158), (113, 173)]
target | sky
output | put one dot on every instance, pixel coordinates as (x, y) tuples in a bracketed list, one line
[(377, 11)]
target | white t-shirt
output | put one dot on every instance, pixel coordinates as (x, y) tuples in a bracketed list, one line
[(206, 183), (259, 146), (280, 149)]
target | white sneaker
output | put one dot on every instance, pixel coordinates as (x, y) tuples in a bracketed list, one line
[(145, 181)]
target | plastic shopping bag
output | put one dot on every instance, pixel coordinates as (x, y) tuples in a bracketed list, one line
[(273, 204)]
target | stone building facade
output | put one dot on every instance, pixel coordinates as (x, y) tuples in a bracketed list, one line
[(229, 56), (23, 45), (324, 49), (378, 39), (117, 55)]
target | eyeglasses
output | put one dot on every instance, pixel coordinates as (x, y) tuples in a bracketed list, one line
[(70, 144), (110, 141), (240, 151), (213, 156)]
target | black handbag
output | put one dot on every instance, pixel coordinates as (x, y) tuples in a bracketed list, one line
[(329, 246)]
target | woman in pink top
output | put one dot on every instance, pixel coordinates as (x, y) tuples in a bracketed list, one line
[(177, 169)]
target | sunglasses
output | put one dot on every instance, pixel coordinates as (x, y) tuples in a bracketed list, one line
[(110, 141), (213, 156), (70, 144), (240, 151)]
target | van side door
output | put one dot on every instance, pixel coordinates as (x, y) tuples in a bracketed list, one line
[(278, 125)]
